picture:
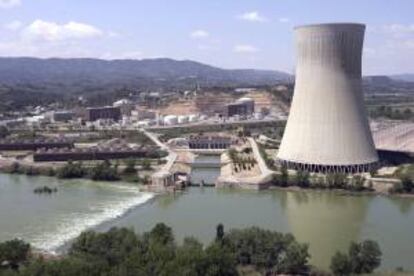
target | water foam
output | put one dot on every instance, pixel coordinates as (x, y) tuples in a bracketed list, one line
[(73, 224)]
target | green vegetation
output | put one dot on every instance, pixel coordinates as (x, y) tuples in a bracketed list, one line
[(13, 253), (130, 166), (122, 252), (392, 113), (104, 172), (72, 170), (362, 258), (270, 162), (45, 190), (146, 165), (304, 179), (251, 127), (406, 175), (241, 160)]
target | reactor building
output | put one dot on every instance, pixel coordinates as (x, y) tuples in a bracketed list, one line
[(327, 129)]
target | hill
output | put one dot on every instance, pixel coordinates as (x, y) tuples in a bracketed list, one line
[(149, 73), (404, 77)]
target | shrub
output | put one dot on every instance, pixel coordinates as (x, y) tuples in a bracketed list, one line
[(362, 258)]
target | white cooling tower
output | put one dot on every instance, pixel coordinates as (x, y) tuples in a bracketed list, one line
[(327, 128)]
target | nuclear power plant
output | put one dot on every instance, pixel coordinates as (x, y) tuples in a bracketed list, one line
[(327, 129)]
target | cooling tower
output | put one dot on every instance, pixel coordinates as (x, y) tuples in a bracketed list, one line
[(327, 129)]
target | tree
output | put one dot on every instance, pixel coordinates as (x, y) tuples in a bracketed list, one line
[(146, 164), (302, 178), (340, 264), (14, 252), (161, 233), (219, 232), (72, 170), (130, 166), (295, 260), (365, 257), (219, 260), (362, 258), (283, 178), (104, 172), (407, 184)]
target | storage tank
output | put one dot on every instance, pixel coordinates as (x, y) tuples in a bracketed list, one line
[(193, 118), (170, 120), (182, 119), (327, 129)]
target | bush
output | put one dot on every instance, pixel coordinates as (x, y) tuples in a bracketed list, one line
[(146, 164), (72, 170), (14, 252), (362, 258), (407, 184), (104, 172), (302, 179), (130, 166), (268, 251)]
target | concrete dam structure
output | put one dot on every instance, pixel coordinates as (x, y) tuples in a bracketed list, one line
[(327, 129)]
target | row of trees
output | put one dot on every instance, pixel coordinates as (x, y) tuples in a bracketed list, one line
[(103, 171), (392, 113), (121, 251), (303, 179)]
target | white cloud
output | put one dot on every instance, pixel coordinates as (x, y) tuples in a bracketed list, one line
[(208, 47), (51, 31), (245, 48), (5, 4), (252, 16), (13, 25), (199, 34), (284, 20), (399, 28)]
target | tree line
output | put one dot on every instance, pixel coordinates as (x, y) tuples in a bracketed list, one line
[(121, 251)]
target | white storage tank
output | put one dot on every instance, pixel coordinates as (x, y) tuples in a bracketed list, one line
[(182, 119), (170, 120), (258, 116), (193, 118)]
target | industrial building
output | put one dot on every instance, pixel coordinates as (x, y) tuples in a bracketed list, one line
[(327, 128), (106, 113), (63, 116), (34, 144), (209, 142), (241, 107)]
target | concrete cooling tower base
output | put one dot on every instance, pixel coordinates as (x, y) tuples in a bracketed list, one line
[(318, 168)]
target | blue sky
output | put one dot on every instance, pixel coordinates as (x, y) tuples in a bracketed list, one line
[(224, 33)]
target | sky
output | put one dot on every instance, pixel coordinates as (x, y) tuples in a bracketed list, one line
[(224, 33)]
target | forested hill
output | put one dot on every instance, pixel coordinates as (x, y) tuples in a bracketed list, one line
[(77, 75)]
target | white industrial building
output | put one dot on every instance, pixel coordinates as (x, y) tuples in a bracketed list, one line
[(327, 129)]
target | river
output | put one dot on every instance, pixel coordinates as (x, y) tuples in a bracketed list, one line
[(48, 221), (327, 221)]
